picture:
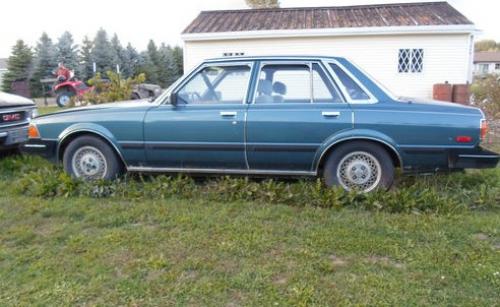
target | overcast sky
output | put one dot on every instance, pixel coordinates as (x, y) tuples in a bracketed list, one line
[(138, 21)]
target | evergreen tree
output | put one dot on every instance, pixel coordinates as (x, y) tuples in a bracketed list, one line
[(166, 66), (102, 53), (19, 65), (118, 52), (67, 51), (86, 70), (151, 63), (131, 61), (261, 4), (178, 57), (44, 64)]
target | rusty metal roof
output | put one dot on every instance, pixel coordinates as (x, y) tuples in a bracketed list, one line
[(487, 57), (379, 15)]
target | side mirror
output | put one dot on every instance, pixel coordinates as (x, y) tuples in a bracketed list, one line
[(173, 99)]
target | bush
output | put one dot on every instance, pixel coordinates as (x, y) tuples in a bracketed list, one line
[(486, 93), (435, 194), (113, 89)]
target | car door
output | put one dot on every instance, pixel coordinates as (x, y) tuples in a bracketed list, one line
[(205, 129), (296, 107)]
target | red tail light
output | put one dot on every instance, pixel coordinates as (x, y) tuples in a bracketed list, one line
[(484, 129), (463, 139)]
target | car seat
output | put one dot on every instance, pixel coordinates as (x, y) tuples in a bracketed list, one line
[(265, 90), (280, 89)]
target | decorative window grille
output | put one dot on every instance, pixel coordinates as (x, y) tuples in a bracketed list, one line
[(410, 60), (226, 54)]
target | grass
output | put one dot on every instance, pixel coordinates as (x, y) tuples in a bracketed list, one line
[(171, 241)]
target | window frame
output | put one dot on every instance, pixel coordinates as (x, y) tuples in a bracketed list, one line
[(198, 69), (411, 64), (309, 64), (373, 99)]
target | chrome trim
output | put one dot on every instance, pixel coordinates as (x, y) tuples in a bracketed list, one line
[(26, 122), (92, 131), (245, 138), (205, 64), (330, 114), (35, 146), (478, 156), (357, 138), (2, 134), (228, 113), (373, 99), (18, 109), (217, 171)]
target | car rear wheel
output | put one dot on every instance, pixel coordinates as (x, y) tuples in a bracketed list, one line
[(64, 98), (359, 166), (90, 158)]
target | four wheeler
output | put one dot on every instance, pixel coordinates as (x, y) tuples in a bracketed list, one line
[(67, 89)]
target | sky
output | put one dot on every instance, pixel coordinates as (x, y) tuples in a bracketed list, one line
[(163, 21)]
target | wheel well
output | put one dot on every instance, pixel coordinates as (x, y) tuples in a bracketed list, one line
[(66, 88), (390, 150), (68, 139)]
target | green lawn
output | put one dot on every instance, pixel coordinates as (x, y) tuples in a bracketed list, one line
[(158, 241)]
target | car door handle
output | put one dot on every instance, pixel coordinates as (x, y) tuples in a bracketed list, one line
[(330, 114), (227, 114)]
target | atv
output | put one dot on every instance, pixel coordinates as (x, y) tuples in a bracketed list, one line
[(67, 89)]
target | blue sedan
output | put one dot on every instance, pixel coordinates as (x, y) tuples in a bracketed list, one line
[(293, 116)]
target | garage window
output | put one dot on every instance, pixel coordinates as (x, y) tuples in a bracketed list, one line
[(410, 60)]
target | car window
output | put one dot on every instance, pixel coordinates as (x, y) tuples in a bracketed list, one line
[(284, 83), (353, 89), (323, 89), (216, 84)]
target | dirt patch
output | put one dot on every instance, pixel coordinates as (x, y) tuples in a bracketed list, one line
[(480, 236), (338, 261), (385, 261)]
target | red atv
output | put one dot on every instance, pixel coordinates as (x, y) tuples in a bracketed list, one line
[(67, 89)]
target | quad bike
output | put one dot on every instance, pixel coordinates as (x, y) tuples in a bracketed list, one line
[(67, 89)]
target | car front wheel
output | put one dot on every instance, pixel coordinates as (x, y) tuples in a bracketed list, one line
[(359, 166), (90, 158)]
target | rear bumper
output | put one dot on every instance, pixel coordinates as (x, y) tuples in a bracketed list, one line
[(44, 148), (474, 158)]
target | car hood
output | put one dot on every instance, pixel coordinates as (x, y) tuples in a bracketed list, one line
[(104, 106), (9, 100)]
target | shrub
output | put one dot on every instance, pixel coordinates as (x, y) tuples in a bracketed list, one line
[(113, 89), (486, 93), (435, 194)]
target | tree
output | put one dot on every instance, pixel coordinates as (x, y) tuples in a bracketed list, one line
[(86, 68), (131, 61), (487, 45), (151, 63), (102, 53), (261, 4), (45, 62), (19, 65), (118, 52), (166, 65), (178, 55), (67, 51)]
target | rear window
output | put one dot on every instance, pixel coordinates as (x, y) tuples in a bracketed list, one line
[(353, 89)]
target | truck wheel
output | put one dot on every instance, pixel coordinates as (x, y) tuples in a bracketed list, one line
[(90, 158), (360, 166), (64, 98)]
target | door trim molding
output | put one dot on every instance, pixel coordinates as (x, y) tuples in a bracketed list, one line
[(147, 169)]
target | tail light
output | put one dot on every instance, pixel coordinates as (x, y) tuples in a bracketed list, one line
[(484, 129), (33, 132)]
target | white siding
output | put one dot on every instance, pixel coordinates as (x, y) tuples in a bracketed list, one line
[(447, 57)]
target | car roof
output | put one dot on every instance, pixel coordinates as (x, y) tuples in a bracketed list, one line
[(273, 57)]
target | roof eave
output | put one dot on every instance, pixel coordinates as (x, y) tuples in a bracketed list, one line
[(360, 31)]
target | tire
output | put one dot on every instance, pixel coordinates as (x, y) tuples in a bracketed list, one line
[(64, 98), (135, 96), (90, 158), (359, 165)]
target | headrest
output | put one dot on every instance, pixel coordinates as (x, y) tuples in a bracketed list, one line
[(265, 87), (279, 87)]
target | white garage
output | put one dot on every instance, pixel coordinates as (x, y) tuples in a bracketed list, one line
[(408, 47)]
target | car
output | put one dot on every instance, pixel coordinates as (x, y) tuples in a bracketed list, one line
[(268, 116), (15, 114)]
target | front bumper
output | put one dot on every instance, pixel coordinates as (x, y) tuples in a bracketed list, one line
[(45, 148), (474, 158), (13, 136)]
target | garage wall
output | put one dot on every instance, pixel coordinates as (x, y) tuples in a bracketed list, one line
[(447, 57)]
